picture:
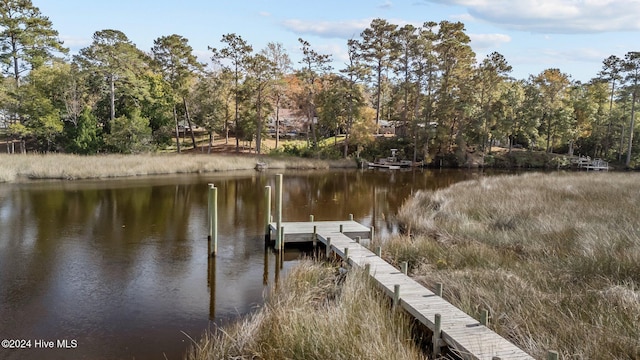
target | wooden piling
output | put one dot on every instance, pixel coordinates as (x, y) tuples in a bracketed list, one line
[(278, 205), (328, 250), (278, 245), (346, 255), (437, 333), (341, 228), (379, 251), (552, 355), (371, 233), (213, 220), (404, 267), (358, 239), (315, 236), (396, 296), (484, 317), (209, 210), (281, 238), (267, 212), (350, 217), (311, 218), (439, 289), (367, 269)]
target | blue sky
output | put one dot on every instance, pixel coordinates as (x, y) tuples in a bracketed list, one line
[(572, 35)]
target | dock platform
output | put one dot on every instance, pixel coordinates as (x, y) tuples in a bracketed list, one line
[(463, 334)]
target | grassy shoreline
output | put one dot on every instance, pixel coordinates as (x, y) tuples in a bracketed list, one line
[(15, 168), (555, 258)]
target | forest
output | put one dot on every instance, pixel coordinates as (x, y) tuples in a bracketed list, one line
[(114, 97)]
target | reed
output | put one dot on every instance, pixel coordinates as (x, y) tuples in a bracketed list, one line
[(316, 314), (70, 167), (555, 258)]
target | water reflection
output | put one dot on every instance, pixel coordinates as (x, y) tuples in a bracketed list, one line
[(121, 266)]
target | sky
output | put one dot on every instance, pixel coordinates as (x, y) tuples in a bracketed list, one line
[(574, 36)]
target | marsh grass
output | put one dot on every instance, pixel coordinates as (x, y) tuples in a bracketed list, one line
[(554, 258), (60, 166), (316, 313)]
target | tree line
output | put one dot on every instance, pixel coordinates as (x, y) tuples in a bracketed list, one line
[(115, 97)]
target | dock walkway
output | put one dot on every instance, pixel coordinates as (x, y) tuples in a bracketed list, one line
[(459, 331)]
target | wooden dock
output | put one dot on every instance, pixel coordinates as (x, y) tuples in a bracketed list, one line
[(463, 334)]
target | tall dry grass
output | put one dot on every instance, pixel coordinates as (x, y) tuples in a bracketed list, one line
[(316, 314), (61, 166), (554, 258)]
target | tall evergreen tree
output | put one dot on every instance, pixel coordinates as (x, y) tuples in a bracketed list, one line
[(237, 50), (632, 78), (378, 51), (612, 68), (27, 38), (276, 53), (179, 66), (314, 65), (116, 61)]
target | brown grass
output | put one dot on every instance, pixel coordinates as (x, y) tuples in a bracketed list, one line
[(60, 166), (315, 315), (554, 258)]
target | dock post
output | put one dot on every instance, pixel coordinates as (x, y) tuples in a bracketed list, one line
[(328, 250), (439, 289), (379, 251), (358, 239), (396, 296), (267, 213), (367, 269), (341, 228), (215, 221), (281, 238), (496, 358), (315, 236), (346, 255), (350, 217), (484, 317), (278, 205), (311, 218), (437, 332), (371, 233), (404, 267), (278, 239), (209, 211), (552, 355), (213, 245)]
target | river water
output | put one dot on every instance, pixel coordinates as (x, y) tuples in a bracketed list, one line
[(119, 269)]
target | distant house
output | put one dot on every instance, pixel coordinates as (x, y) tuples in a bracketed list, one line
[(386, 127), (292, 123)]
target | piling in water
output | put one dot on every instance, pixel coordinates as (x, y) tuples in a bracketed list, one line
[(267, 211), (278, 206), (213, 220)]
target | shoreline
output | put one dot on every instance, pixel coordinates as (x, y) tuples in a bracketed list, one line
[(28, 167)]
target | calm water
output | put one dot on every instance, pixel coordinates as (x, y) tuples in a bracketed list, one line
[(121, 266)]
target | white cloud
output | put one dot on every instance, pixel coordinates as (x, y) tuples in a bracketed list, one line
[(336, 29), (264, 13), (555, 16), (488, 41), (328, 29), (386, 5), (575, 54), (75, 42)]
